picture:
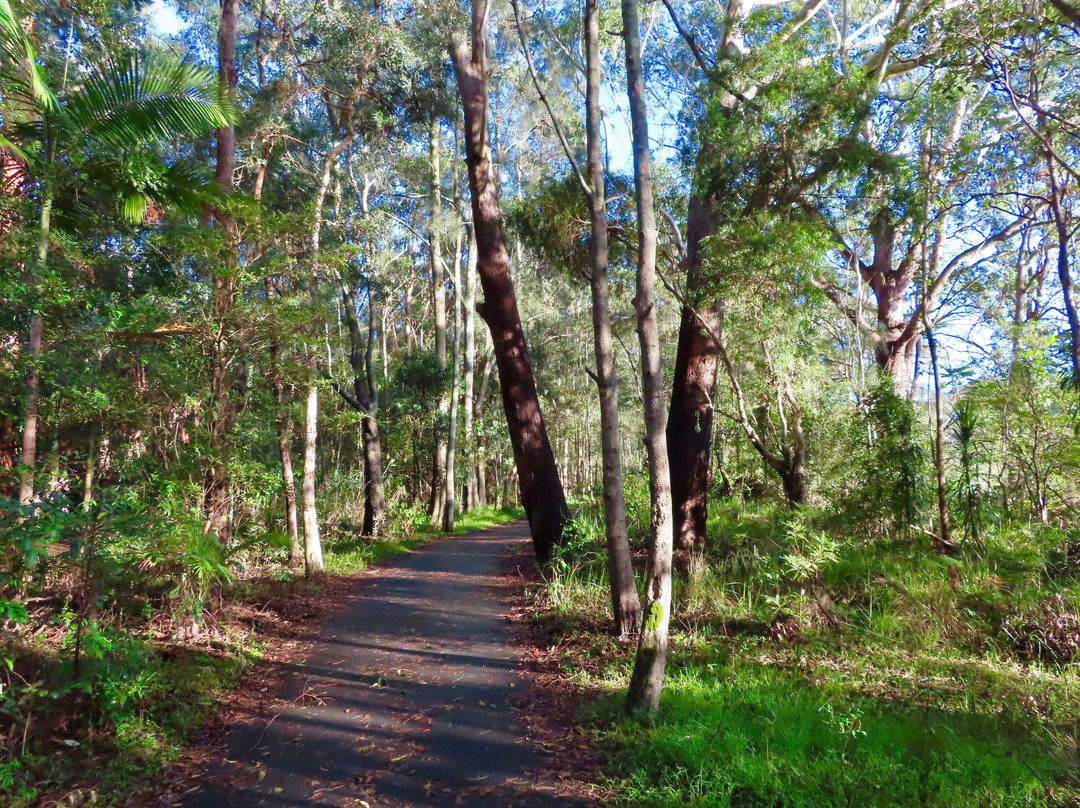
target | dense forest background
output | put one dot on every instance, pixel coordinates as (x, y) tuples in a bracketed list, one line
[(808, 374)]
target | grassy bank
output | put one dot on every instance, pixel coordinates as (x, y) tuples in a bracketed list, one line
[(812, 670)]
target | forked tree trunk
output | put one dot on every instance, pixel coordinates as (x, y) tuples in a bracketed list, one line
[(541, 489), (625, 603), (364, 398), (647, 679), (690, 415)]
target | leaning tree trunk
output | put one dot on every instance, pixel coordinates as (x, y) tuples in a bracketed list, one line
[(690, 414), (541, 489), (625, 603), (647, 679)]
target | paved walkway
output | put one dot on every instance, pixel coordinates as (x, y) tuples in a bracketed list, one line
[(406, 702)]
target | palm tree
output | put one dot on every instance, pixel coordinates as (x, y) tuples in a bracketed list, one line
[(107, 128)]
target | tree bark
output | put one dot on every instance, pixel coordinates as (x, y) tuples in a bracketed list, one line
[(647, 679), (374, 488), (365, 400), (470, 455), (625, 603), (541, 489), (28, 461), (690, 415), (313, 557), (437, 506), (450, 508), (222, 294)]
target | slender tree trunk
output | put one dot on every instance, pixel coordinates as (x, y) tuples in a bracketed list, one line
[(690, 415), (28, 461), (438, 304), (647, 679), (450, 508), (288, 478), (625, 604), (939, 442), (470, 456), (541, 488), (88, 476), (313, 557), (222, 293)]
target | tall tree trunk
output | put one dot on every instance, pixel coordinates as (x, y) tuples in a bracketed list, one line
[(222, 294), (647, 679), (690, 415), (625, 604), (471, 453), (437, 506), (28, 461), (450, 508), (541, 490)]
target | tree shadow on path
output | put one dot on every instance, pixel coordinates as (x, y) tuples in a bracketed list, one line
[(407, 701)]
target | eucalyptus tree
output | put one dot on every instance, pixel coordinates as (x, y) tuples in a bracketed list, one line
[(625, 604), (647, 679), (541, 489)]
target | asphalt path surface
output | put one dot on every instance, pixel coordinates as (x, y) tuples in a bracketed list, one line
[(406, 702)]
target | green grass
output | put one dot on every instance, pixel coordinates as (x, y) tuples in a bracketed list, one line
[(742, 732), (814, 669), (350, 554)]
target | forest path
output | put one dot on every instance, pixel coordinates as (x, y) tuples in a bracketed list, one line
[(407, 700)]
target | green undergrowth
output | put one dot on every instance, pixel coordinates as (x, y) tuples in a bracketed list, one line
[(811, 669)]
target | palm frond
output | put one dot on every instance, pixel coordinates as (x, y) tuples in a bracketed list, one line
[(147, 97), (22, 76)]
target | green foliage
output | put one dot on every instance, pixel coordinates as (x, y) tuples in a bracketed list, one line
[(964, 433), (891, 495), (737, 732)]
